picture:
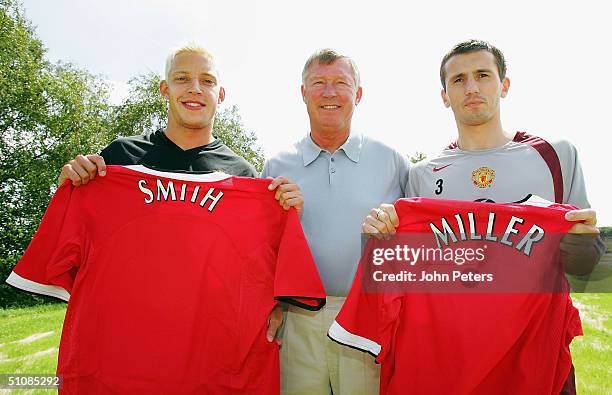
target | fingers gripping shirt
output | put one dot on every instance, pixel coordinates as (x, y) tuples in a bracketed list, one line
[(171, 279)]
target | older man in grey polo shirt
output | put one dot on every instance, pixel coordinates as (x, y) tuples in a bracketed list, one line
[(342, 175)]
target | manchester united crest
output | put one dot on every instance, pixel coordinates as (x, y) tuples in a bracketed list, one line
[(483, 177)]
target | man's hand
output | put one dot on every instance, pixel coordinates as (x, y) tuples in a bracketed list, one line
[(381, 222), (588, 218), (274, 322), (582, 247), (287, 194), (83, 169)]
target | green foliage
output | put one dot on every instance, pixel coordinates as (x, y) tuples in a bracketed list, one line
[(48, 114), (143, 110), (228, 128), (417, 157), (606, 232)]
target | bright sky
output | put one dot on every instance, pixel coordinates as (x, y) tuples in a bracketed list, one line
[(557, 52)]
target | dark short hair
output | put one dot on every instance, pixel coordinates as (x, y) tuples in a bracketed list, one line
[(329, 56), (473, 46)]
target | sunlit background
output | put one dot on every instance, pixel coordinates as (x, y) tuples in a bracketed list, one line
[(558, 55)]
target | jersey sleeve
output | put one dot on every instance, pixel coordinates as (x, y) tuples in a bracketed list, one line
[(413, 187), (367, 320), (266, 170), (108, 153), (297, 279), (49, 264), (403, 167), (574, 189)]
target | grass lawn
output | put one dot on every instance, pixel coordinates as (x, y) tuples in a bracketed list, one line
[(29, 338), (592, 353)]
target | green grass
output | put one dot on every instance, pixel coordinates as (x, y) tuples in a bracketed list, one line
[(592, 353), (21, 353)]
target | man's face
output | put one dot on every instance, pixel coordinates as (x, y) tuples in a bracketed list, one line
[(331, 94), (473, 87), (193, 91)]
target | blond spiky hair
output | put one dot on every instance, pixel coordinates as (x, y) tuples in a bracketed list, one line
[(190, 47)]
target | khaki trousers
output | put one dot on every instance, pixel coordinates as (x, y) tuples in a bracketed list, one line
[(313, 364)]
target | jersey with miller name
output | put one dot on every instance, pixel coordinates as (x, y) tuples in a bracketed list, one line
[(468, 342)]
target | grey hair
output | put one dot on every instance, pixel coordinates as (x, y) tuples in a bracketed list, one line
[(329, 56)]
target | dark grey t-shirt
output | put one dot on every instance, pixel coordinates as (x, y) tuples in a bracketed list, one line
[(157, 151)]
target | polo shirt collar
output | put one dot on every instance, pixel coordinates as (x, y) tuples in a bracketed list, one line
[(351, 147)]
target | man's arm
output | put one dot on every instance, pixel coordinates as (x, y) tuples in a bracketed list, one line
[(582, 247)]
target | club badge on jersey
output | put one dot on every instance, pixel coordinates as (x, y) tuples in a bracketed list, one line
[(483, 177)]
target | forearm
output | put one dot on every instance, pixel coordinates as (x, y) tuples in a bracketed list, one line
[(581, 252)]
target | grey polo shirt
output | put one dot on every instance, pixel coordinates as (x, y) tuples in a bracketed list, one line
[(339, 190)]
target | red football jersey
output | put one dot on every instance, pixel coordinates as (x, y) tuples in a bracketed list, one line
[(171, 279), (467, 343)]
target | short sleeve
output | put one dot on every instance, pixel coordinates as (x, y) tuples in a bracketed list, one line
[(574, 189), (403, 166), (266, 170), (50, 262), (367, 320), (412, 185), (297, 279)]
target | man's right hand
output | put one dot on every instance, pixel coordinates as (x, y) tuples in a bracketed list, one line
[(83, 169), (381, 222)]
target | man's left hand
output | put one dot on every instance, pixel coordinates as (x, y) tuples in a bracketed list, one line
[(582, 247), (288, 194), (274, 322), (588, 220)]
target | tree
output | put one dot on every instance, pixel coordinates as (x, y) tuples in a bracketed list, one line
[(417, 157), (143, 110), (228, 128), (48, 114)]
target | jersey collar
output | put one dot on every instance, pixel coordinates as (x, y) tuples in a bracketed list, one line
[(351, 147)]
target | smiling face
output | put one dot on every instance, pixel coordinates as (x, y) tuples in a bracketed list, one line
[(193, 92), (331, 93), (473, 88)]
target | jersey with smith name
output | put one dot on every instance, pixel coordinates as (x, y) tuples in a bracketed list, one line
[(527, 165), (171, 278)]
